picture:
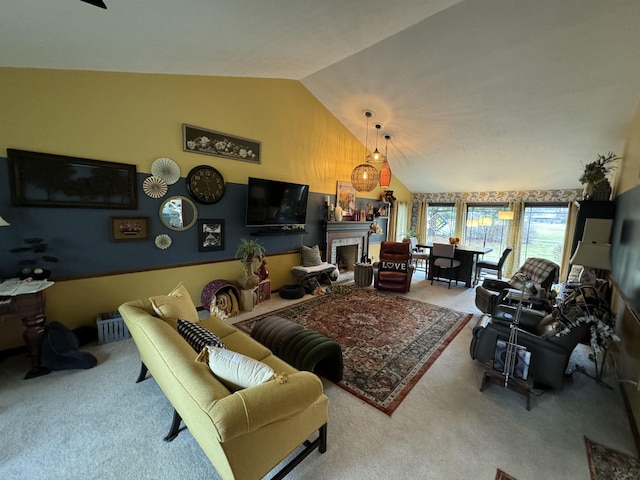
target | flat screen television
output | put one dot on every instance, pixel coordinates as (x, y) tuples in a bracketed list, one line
[(271, 203)]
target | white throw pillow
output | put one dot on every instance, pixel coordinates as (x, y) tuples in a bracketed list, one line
[(236, 370)]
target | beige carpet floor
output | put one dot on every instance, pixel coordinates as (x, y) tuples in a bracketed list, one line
[(99, 424)]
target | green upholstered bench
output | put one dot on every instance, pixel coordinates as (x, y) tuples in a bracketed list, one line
[(302, 348)]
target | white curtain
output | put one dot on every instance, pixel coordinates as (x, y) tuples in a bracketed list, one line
[(569, 232), (512, 263), (399, 221), (421, 227), (461, 220)]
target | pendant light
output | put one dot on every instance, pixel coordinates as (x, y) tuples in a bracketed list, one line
[(385, 169), (364, 177), (376, 156)]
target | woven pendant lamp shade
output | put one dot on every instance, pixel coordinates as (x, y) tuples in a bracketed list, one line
[(385, 174), (364, 178)]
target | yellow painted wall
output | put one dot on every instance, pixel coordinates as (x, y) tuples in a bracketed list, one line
[(136, 118)]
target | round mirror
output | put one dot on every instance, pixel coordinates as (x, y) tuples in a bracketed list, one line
[(178, 213)]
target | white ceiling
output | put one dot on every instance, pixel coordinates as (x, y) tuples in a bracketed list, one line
[(478, 94)]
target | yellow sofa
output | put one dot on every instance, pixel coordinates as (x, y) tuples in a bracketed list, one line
[(245, 433)]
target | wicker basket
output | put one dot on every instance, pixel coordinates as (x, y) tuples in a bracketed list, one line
[(363, 274), (111, 327)]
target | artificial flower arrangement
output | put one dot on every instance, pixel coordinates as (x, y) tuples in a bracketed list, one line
[(454, 240), (597, 171)]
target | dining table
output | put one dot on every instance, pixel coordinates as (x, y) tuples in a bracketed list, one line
[(468, 256)]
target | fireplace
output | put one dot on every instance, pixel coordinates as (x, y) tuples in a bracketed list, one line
[(346, 243)]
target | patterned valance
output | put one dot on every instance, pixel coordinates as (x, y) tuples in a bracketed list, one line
[(528, 196)]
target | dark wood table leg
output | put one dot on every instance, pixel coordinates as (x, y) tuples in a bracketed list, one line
[(34, 331)]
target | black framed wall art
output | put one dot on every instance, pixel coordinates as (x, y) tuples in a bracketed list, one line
[(209, 142), (47, 180), (210, 235), (123, 229)]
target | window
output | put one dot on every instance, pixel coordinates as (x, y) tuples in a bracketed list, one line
[(402, 220), (543, 232), (441, 223), (485, 228)]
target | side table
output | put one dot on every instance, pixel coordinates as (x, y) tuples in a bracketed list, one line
[(29, 308)]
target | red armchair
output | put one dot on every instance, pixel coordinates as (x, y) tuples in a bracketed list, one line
[(394, 270)]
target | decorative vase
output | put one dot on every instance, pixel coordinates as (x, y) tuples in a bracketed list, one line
[(263, 273), (589, 188), (338, 213), (601, 191), (248, 279)]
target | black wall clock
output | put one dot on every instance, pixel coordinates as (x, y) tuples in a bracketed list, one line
[(205, 184)]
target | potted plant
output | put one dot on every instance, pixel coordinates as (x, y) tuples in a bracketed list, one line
[(595, 177), (248, 250), (250, 253), (410, 234), (33, 268)]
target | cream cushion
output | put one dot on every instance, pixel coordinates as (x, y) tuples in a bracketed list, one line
[(237, 371), (177, 304)]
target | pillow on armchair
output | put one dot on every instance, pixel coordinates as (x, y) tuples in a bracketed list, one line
[(393, 266)]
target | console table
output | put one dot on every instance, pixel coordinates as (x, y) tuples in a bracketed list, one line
[(25, 302)]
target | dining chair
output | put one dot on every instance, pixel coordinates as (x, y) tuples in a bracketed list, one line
[(419, 256), (494, 266), (443, 254)]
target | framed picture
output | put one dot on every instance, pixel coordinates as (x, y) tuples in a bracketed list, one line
[(123, 229), (47, 180), (218, 144), (346, 198), (210, 235)]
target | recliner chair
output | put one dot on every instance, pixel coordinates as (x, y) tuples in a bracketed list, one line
[(394, 270), (550, 339), (550, 354), (543, 273)]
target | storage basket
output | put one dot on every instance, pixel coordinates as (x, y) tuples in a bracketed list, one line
[(111, 327)]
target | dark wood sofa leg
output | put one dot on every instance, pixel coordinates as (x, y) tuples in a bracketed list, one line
[(175, 427), (322, 447), (320, 443), (143, 372)]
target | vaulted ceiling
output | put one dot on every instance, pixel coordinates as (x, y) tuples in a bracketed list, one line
[(477, 94)]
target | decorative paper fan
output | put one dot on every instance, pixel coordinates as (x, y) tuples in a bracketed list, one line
[(166, 169), (155, 187), (163, 241)]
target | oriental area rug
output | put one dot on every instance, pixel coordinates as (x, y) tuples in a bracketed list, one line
[(608, 464), (388, 341)]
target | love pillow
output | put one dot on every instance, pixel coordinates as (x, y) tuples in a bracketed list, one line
[(390, 266)]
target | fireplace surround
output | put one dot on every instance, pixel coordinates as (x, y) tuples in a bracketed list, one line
[(344, 234)]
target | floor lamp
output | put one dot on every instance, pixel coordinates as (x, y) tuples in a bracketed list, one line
[(504, 215)]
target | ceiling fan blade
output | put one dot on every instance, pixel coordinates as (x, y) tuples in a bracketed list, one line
[(97, 3)]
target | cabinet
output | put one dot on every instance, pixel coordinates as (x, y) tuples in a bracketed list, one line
[(591, 209), (28, 308)]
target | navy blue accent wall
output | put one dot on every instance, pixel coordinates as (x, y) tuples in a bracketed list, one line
[(80, 237), (625, 247)]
